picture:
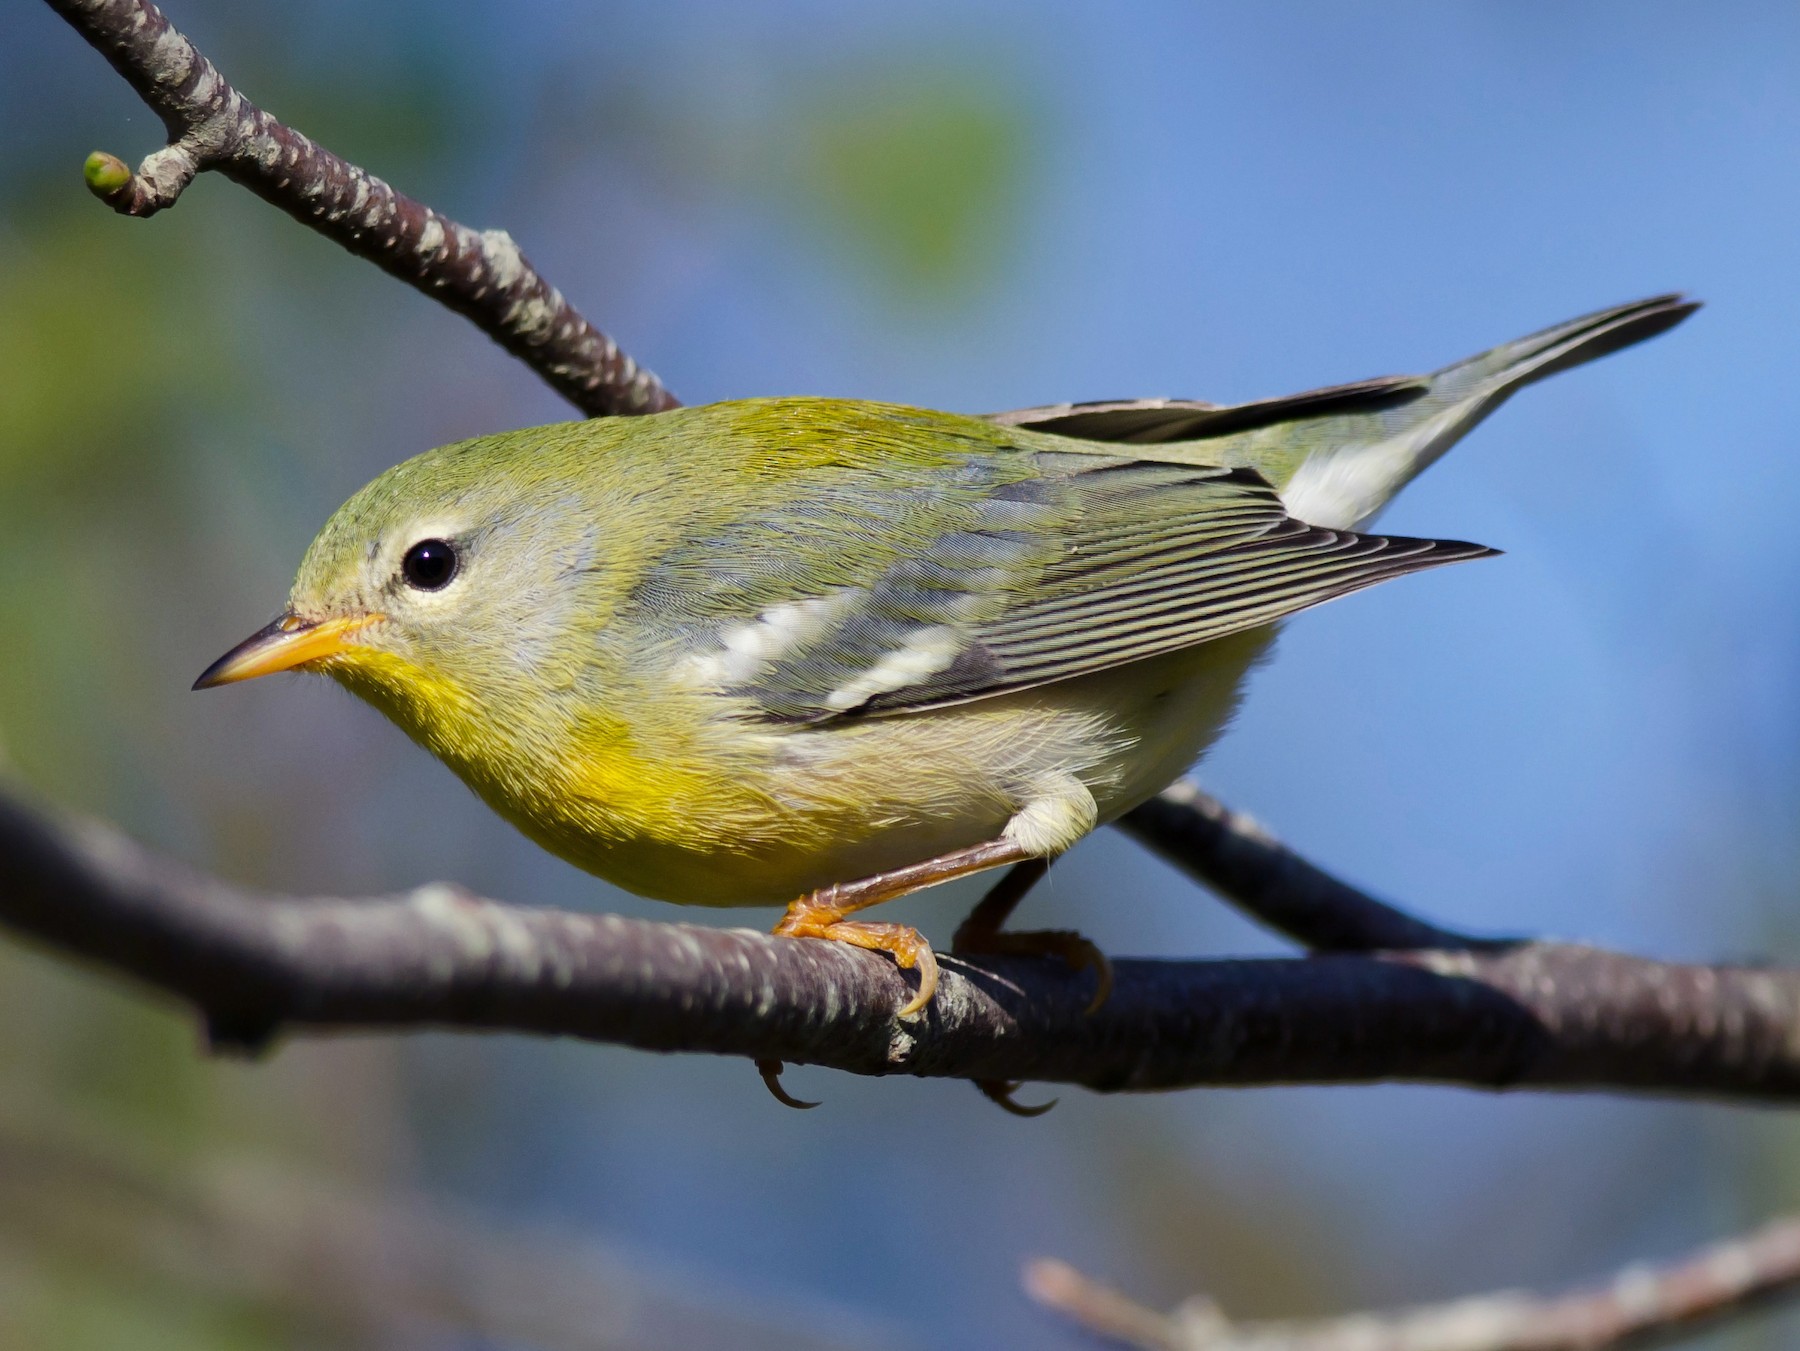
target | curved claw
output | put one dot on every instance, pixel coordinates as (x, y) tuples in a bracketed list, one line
[(918, 954), (906, 945), (770, 1070), (1000, 1093), (1102, 967)]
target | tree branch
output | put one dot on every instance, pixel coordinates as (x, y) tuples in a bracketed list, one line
[(1235, 856), (1545, 1015), (481, 275), (1635, 1307)]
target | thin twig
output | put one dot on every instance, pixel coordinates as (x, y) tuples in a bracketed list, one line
[(1237, 857), (1636, 1307), (1535, 1015), (481, 275)]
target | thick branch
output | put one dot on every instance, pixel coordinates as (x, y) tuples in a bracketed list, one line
[(1638, 1306), (1534, 1015), (481, 275)]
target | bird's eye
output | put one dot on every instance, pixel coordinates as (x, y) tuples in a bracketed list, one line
[(429, 565)]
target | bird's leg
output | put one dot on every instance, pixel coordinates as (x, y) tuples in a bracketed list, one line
[(994, 909), (984, 921), (981, 932), (820, 914)]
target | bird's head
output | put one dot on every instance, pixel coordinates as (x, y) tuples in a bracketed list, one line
[(455, 586)]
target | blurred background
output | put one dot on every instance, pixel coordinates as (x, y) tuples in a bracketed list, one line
[(971, 206)]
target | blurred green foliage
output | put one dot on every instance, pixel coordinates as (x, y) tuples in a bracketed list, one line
[(911, 173), (104, 341), (923, 169)]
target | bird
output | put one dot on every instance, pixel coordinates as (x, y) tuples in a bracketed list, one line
[(823, 652)]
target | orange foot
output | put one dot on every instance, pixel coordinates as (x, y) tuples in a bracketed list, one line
[(809, 918)]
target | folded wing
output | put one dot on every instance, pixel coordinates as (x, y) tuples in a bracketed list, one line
[(1089, 563)]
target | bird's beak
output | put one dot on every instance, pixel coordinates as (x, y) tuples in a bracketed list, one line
[(288, 643)]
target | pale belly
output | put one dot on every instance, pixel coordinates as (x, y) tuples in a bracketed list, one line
[(845, 802)]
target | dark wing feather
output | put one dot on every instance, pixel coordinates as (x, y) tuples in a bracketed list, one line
[(1092, 563), (1158, 421)]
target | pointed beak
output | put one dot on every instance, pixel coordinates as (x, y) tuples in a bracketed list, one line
[(287, 644)]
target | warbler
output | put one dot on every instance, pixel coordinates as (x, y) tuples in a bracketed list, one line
[(825, 652)]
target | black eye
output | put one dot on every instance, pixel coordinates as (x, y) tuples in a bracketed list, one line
[(429, 564)]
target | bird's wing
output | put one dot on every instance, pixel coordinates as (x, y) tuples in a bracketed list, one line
[(1014, 570)]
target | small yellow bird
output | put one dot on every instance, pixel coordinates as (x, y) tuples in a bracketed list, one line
[(827, 652)]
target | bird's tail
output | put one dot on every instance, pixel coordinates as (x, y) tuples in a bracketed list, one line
[(1347, 484), (1486, 380)]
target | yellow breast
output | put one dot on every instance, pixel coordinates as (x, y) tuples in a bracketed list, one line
[(697, 802)]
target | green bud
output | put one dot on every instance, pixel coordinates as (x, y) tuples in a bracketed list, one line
[(105, 174)]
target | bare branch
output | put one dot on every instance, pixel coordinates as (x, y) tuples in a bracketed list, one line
[(481, 275), (1237, 857), (1539, 1015), (1638, 1306)]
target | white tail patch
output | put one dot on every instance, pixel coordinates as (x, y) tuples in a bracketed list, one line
[(1343, 487)]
